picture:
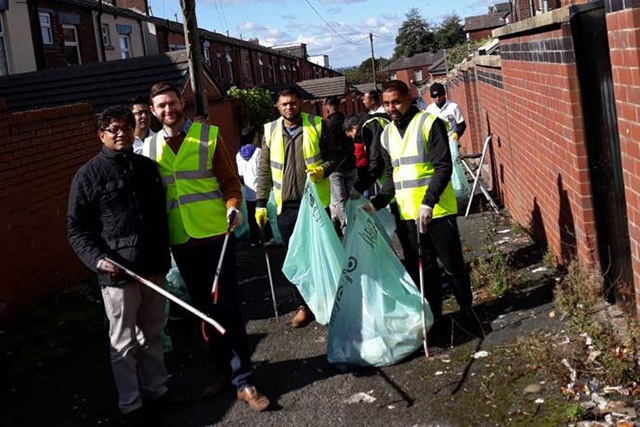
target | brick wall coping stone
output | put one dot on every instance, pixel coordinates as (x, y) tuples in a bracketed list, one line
[(553, 17), (492, 61)]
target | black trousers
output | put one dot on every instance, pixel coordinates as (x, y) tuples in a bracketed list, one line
[(197, 263), (286, 224), (442, 240)]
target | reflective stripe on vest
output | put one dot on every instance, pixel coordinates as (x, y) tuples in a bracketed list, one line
[(195, 205), (274, 139), (412, 172)]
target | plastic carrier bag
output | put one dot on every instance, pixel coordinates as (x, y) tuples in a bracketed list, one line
[(315, 255), (377, 313), (242, 232), (458, 177), (272, 213), (174, 284), (384, 218)]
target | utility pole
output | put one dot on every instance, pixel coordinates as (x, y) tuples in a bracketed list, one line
[(194, 53), (373, 61)]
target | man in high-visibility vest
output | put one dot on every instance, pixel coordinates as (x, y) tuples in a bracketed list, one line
[(294, 145), (203, 200), (418, 174)]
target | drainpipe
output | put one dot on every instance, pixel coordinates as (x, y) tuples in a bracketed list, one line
[(102, 50), (144, 39)]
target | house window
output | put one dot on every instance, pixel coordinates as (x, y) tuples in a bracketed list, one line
[(417, 76), (71, 46), (230, 65), (125, 47), (45, 28), (206, 55), (106, 35), (261, 68), (393, 76), (219, 64), (4, 63)]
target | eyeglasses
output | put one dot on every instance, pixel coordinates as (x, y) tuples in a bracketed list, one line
[(124, 130)]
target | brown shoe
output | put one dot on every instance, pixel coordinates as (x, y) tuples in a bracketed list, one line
[(256, 401), (303, 317)]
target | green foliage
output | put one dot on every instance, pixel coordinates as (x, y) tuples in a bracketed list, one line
[(414, 35), (259, 105), (450, 32), (363, 74), (575, 412)]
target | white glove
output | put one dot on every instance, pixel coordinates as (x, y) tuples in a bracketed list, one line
[(234, 218), (105, 266), (425, 215)]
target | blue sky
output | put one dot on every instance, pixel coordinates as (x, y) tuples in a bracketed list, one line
[(345, 34)]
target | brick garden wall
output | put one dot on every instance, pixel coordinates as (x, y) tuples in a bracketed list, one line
[(624, 41), (40, 152), (530, 102)]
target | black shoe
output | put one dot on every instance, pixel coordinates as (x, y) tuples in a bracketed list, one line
[(168, 402), (440, 333), (219, 385)]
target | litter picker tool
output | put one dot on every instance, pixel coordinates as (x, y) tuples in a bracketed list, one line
[(170, 296), (266, 257), (422, 302), (214, 288)]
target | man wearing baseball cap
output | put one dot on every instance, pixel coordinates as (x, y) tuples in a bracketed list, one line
[(447, 111)]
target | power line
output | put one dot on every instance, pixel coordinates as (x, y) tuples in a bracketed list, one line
[(224, 15), (329, 25)]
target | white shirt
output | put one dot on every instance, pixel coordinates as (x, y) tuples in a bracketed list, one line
[(138, 143), (450, 113), (379, 110), (248, 170)]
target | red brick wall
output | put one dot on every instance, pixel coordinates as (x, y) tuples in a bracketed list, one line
[(40, 152), (623, 28), (479, 34), (543, 143)]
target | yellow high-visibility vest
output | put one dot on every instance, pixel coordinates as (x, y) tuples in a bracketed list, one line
[(411, 170), (274, 139), (195, 206)]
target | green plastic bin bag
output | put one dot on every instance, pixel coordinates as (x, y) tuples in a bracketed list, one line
[(272, 212), (242, 232), (458, 178), (315, 255), (377, 313)]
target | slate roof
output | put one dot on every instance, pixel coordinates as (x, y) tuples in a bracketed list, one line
[(438, 67), (366, 87), (483, 22), (315, 88), (103, 84), (501, 8), (416, 61)]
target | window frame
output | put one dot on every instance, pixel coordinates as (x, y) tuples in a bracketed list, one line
[(75, 44), (4, 57), (126, 52), (106, 35), (47, 26)]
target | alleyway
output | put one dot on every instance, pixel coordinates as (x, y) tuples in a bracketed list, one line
[(73, 386)]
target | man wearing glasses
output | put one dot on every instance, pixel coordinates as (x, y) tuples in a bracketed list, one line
[(117, 211), (142, 114)]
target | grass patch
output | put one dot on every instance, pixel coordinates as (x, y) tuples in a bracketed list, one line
[(493, 273)]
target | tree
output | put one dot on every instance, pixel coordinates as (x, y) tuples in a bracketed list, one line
[(450, 32), (259, 105), (414, 36), (362, 73)]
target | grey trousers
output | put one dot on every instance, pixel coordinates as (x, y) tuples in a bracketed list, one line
[(341, 185), (136, 318)]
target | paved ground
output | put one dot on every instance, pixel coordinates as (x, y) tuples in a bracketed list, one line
[(56, 370)]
